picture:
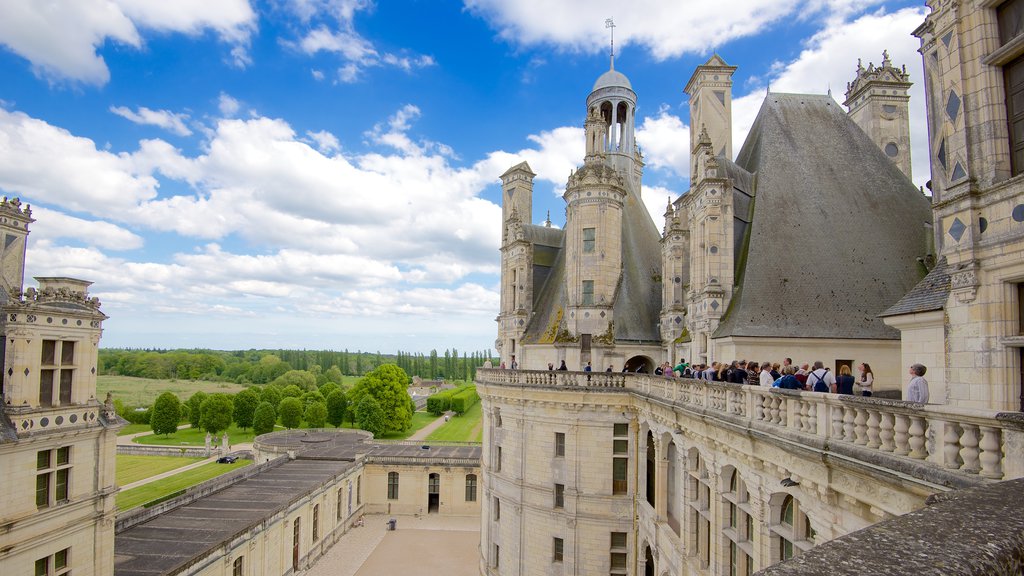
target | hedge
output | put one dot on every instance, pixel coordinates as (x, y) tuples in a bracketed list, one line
[(464, 400), (441, 402)]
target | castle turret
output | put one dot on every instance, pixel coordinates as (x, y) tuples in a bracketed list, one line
[(516, 259), (878, 100), (14, 222), (710, 91)]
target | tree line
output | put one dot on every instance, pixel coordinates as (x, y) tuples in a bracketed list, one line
[(379, 403), (264, 366)]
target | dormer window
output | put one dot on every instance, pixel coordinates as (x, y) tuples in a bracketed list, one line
[(57, 372)]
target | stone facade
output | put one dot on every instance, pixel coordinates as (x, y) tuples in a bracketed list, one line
[(974, 79), (878, 100), (596, 473), (57, 440)]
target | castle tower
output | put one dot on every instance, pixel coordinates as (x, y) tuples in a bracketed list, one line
[(710, 91), (58, 440), (516, 260), (14, 222), (675, 281), (878, 100)]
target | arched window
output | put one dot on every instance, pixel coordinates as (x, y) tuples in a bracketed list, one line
[(737, 525), (651, 469), (672, 488), (791, 530), (392, 485), (470, 487)]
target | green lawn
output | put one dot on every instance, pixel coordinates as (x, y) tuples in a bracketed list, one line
[(143, 391), (133, 468), (461, 428), (129, 499), (196, 437)]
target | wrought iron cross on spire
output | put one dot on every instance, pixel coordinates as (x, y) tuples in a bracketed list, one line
[(610, 25)]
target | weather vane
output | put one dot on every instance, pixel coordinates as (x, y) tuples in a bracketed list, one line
[(610, 25)]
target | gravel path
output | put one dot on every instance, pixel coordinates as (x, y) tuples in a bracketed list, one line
[(422, 433)]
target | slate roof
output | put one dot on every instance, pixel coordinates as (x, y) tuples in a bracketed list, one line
[(930, 293), (836, 228)]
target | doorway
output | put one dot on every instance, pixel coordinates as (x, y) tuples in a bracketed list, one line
[(641, 364), (433, 493)]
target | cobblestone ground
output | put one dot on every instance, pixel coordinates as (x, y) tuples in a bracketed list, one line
[(422, 546)]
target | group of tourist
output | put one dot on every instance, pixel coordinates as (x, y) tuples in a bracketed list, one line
[(786, 375), (816, 377)]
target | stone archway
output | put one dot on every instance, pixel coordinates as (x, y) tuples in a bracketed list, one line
[(643, 363)]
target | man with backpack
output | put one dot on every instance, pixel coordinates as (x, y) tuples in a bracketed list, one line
[(820, 379)]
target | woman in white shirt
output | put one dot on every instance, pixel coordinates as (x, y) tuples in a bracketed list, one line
[(866, 379), (766, 375)]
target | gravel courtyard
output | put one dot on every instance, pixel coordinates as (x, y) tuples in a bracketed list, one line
[(425, 546)]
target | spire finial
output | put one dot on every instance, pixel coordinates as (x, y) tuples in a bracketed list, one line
[(610, 25), (547, 221)]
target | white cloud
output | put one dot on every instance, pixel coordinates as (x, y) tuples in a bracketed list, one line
[(227, 105), (62, 42), (170, 121), (326, 142), (665, 29), (829, 59), (50, 165), (51, 225), (330, 28), (665, 141)]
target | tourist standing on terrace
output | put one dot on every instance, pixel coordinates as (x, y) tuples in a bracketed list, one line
[(765, 378), (866, 379), (820, 379), (844, 383), (917, 390)]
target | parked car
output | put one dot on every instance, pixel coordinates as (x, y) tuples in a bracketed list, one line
[(227, 459)]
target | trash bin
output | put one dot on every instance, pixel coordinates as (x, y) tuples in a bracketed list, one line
[(392, 524)]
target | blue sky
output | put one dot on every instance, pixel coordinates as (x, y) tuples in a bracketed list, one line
[(324, 173)]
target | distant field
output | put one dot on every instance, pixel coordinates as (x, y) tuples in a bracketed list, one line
[(128, 499), (465, 428), (134, 468), (143, 391)]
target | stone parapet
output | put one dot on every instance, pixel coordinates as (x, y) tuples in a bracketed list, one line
[(977, 444)]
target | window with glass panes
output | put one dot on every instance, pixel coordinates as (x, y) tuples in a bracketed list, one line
[(392, 485), (57, 372), (57, 564), (559, 495), (559, 444), (618, 554), (739, 526), (791, 531), (588, 293), (557, 549), (470, 487), (53, 473), (237, 569), (620, 458), (589, 239)]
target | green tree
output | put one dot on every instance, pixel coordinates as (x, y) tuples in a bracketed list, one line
[(370, 416), (290, 391), (246, 402), (388, 385), (195, 403), (290, 411), (311, 397), (316, 415), (329, 387), (333, 374), (271, 394), (166, 414), (264, 418), (215, 413), (337, 404), (305, 380)]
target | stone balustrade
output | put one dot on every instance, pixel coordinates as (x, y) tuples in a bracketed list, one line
[(988, 444), (35, 420)]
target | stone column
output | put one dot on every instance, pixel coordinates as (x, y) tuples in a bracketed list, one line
[(661, 480), (613, 134)]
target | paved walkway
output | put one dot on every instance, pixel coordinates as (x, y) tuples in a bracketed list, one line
[(129, 440), (422, 433), (425, 546)]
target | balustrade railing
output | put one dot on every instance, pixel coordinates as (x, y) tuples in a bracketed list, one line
[(987, 443)]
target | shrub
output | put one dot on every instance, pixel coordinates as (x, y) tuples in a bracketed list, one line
[(464, 400)]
